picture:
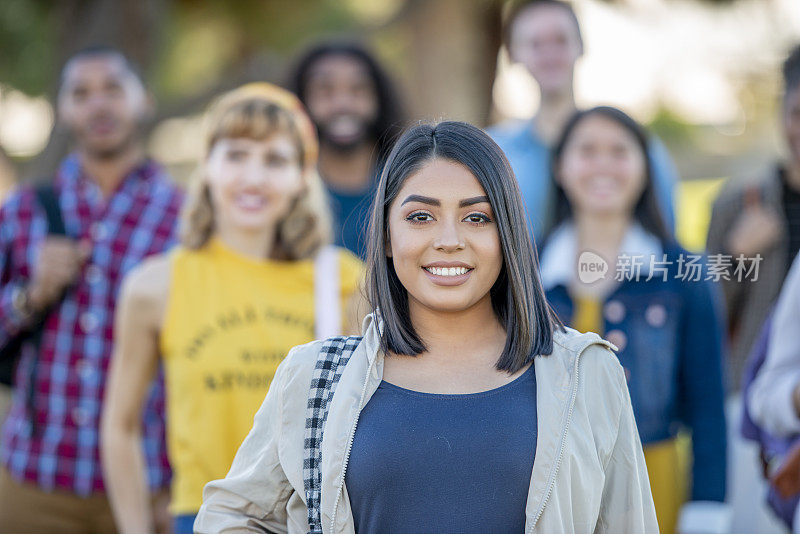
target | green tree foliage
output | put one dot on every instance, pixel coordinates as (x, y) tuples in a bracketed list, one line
[(27, 43)]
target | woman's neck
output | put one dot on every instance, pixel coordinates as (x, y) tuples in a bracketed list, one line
[(603, 235), (254, 245), (601, 232), (473, 336)]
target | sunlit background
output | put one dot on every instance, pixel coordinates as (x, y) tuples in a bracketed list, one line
[(704, 75)]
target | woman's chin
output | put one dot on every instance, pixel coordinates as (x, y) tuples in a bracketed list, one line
[(251, 223), (446, 306), (607, 208)]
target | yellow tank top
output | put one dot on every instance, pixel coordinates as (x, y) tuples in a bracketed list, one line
[(229, 322), (588, 315)]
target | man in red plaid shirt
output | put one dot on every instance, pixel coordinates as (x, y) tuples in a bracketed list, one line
[(118, 207)]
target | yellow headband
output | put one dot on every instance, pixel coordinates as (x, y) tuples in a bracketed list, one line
[(283, 99)]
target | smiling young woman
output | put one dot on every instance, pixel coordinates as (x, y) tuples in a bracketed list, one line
[(664, 320), (465, 406), (252, 278)]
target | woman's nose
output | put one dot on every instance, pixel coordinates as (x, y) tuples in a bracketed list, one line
[(255, 173), (449, 238)]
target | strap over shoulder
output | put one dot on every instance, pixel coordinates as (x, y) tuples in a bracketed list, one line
[(327, 307), (333, 356), (47, 197)]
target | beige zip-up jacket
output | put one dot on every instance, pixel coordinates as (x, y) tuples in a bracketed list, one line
[(588, 475)]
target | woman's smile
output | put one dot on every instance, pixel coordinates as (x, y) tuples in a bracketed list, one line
[(250, 202), (448, 273)]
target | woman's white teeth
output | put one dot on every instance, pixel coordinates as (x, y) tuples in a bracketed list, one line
[(250, 201), (447, 271)]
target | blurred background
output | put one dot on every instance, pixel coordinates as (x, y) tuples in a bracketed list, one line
[(702, 74)]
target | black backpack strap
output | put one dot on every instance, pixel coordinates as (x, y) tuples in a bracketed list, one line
[(333, 356), (47, 197)]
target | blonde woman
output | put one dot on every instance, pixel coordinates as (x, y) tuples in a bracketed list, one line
[(254, 277)]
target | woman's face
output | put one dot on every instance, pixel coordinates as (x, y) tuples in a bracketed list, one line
[(253, 182), (443, 239), (602, 168)]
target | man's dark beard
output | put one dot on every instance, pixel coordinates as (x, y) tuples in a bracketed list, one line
[(367, 136), (113, 152)]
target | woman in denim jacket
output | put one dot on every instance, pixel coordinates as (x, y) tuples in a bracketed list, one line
[(610, 266)]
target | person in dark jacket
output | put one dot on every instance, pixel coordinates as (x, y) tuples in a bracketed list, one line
[(760, 217)]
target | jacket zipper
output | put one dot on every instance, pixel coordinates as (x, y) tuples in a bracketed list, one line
[(552, 481), (349, 448)]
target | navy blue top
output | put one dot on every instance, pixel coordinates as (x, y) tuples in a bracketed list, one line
[(425, 462), (351, 212)]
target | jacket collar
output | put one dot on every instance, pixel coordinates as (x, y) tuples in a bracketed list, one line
[(559, 257)]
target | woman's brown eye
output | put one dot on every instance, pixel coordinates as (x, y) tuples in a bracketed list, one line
[(478, 219), (277, 161), (418, 218)]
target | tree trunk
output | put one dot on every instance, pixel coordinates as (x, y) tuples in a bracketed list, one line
[(453, 45)]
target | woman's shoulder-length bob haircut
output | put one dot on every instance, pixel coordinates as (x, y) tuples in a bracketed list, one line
[(517, 296)]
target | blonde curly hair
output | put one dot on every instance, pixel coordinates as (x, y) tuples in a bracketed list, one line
[(258, 111)]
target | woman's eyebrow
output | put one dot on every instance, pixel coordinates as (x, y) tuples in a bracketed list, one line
[(420, 198), (435, 202), (473, 200)]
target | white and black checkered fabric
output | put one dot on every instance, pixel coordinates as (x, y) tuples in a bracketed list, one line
[(333, 356)]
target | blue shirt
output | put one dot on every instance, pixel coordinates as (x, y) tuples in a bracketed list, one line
[(530, 159), (351, 213), (424, 462)]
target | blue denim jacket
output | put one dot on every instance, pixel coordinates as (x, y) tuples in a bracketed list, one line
[(670, 339)]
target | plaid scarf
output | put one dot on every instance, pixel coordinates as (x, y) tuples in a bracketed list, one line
[(333, 356)]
